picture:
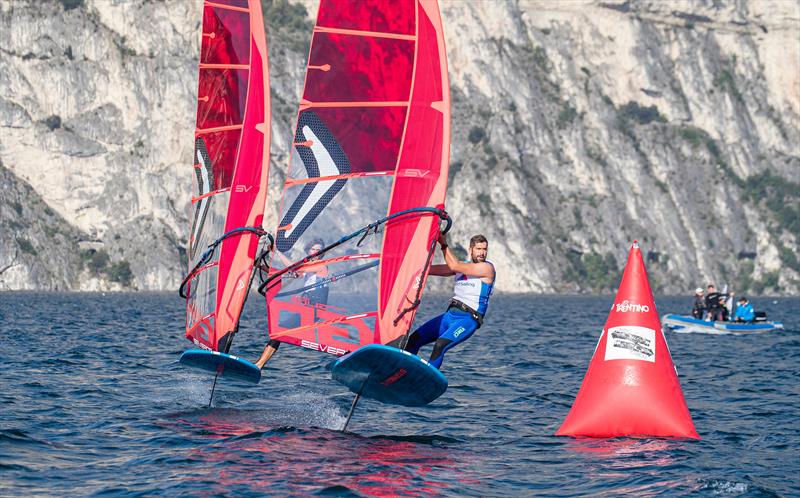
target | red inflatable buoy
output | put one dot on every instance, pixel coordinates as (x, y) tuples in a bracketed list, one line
[(631, 387)]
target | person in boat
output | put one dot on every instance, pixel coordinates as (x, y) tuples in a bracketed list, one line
[(713, 303), (474, 282), (744, 311), (722, 313), (314, 294), (699, 309)]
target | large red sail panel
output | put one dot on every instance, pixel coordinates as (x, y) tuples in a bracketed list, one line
[(421, 178), (375, 74), (231, 162)]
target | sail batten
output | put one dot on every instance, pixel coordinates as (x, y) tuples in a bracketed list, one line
[(356, 32), (225, 66), (219, 5), (305, 181), (209, 194), (342, 103), (205, 131)]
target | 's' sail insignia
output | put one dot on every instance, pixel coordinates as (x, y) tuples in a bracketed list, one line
[(322, 157)]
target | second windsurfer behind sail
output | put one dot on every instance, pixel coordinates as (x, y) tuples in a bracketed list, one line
[(474, 282), (316, 293)]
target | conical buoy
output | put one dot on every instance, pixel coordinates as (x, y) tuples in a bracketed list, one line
[(631, 387)]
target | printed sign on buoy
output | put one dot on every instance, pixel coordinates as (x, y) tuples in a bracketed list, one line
[(631, 387)]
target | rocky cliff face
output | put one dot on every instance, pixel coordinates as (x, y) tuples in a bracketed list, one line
[(577, 127)]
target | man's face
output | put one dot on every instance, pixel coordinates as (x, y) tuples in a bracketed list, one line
[(479, 251), (711, 289), (314, 250)]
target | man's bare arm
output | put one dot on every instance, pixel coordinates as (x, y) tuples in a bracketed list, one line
[(480, 270), (441, 271)]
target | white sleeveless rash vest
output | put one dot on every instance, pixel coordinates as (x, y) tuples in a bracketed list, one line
[(473, 292)]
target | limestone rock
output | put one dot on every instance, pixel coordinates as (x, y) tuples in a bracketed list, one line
[(577, 127)]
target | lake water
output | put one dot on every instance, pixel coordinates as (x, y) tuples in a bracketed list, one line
[(93, 401)]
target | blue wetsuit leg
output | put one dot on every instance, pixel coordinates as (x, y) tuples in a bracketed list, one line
[(459, 326), (426, 334)]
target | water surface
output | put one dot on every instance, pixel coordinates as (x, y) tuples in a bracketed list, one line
[(94, 402)]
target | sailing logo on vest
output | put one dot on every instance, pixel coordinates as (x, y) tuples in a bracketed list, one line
[(322, 156), (473, 292)]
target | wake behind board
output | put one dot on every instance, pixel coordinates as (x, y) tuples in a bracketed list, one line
[(228, 366), (389, 375)]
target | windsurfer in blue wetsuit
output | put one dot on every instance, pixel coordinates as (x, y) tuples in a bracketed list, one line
[(474, 282)]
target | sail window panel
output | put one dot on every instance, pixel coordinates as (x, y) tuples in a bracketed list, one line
[(359, 69), (348, 287), (226, 36), (331, 305), (202, 297), (208, 224), (222, 97), (352, 139), (297, 168), (202, 331), (222, 147), (395, 16), (326, 211), (326, 331)]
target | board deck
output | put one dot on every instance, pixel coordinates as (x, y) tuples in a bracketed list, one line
[(389, 375), (228, 366)]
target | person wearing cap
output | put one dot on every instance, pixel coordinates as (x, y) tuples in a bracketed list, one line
[(744, 311), (699, 304)]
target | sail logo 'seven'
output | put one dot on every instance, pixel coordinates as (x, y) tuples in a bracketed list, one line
[(323, 158), (205, 181), (321, 347)]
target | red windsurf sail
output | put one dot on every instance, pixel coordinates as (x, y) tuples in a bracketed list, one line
[(231, 163), (372, 140)]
